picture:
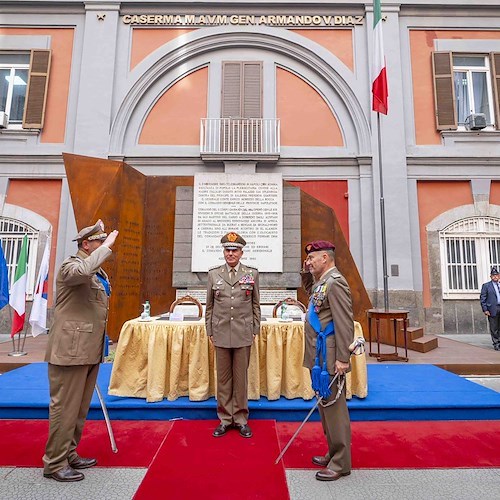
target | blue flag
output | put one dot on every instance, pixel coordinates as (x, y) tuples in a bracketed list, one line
[(4, 280)]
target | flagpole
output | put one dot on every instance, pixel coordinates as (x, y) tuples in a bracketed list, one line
[(382, 217)]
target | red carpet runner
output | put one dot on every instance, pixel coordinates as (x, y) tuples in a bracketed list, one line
[(192, 464), (402, 445)]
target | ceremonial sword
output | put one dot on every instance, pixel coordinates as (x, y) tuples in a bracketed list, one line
[(106, 417), (357, 347)]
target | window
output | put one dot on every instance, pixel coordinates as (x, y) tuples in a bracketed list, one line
[(12, 233), (241, 107), (14, 70), (471, 75), (469, 248), (24, 80), (465, 84)]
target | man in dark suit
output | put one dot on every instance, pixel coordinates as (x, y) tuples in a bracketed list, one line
[(75, 349), (490, 303), (232, 320), (329, 323)]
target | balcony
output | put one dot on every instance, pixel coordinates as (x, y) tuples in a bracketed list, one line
[(255, 139)]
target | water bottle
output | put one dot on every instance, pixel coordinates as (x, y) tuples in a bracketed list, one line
[(147, 310), (284, 312)]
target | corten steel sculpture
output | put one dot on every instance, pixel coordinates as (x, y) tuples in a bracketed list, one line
[(142, 208)]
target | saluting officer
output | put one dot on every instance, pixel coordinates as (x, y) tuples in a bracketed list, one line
[(75, 349), (232, 320)]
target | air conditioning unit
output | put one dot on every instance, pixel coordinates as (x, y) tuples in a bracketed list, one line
[(4, 119), (476, 121)]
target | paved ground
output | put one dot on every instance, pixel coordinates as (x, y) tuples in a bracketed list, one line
[(372, 484)]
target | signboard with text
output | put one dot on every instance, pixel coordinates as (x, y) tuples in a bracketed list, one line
[(249, 204)]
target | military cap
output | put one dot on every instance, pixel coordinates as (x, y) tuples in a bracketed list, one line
[(232, 241), (315, 246), (494, 271), (90, 233)]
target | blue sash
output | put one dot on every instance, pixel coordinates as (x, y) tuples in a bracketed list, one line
[(320, 378), (107, 288)]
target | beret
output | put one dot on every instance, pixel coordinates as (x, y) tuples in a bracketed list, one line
[(317, 245)]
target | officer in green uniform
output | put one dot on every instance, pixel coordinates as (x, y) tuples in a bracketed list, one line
[(330, 322), (232, 319)]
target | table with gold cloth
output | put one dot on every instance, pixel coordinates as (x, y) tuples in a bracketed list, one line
[(166, 359)]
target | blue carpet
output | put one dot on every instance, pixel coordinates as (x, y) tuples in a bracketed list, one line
[(395, 392)]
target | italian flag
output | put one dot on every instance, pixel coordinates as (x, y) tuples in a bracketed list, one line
[(379, 74), (18, 291)]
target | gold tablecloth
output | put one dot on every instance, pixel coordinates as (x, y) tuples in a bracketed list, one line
[(167, 359)]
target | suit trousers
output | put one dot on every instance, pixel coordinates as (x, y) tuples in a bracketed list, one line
[(337, 428), (232, 384), (71, 389), (494, 322)]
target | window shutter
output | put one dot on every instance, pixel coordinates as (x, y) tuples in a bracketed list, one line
[(252, 90), (231, 89), (36, 93), (495, 72), (444, 91)]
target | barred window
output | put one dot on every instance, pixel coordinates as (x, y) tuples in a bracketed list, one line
[(12, 233), (469, 248)]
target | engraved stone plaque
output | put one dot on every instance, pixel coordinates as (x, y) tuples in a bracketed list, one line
[(249, 204)]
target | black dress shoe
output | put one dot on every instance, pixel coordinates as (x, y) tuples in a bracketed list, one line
[(320, 460), (66, 475), (220, 430), (245, 430), (83, 463), (330, 475)]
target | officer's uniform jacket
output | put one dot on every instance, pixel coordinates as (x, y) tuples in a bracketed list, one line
[(232, 314), (332, 296), (81, 311)]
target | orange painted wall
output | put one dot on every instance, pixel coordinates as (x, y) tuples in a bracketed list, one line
[(495, 193), (147, 40), (306, 119), (332, 194), (431, 203), (175, 118), (421, 47), (44, 198), (57, 98), (338, 41)]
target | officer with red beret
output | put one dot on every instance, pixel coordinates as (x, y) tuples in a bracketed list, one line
[(329, 329)]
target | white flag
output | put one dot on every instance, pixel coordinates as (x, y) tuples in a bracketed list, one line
[(38, 316)]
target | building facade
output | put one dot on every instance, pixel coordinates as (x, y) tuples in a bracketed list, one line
[(176, 88)]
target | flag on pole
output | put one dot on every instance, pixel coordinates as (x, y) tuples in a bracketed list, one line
[(18, 291), (38, 316), (4, 280), (379, 74)]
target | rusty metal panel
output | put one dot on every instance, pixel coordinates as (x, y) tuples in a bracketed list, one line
[(319, 222), (142, 208), (159, 240)]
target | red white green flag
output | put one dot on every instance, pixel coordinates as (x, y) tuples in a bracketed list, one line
[(18, 291), (379, 74)]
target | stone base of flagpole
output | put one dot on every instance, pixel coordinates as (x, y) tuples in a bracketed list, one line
[(17, 353)]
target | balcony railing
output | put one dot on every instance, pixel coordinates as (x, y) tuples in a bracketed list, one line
[(240, 136)]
